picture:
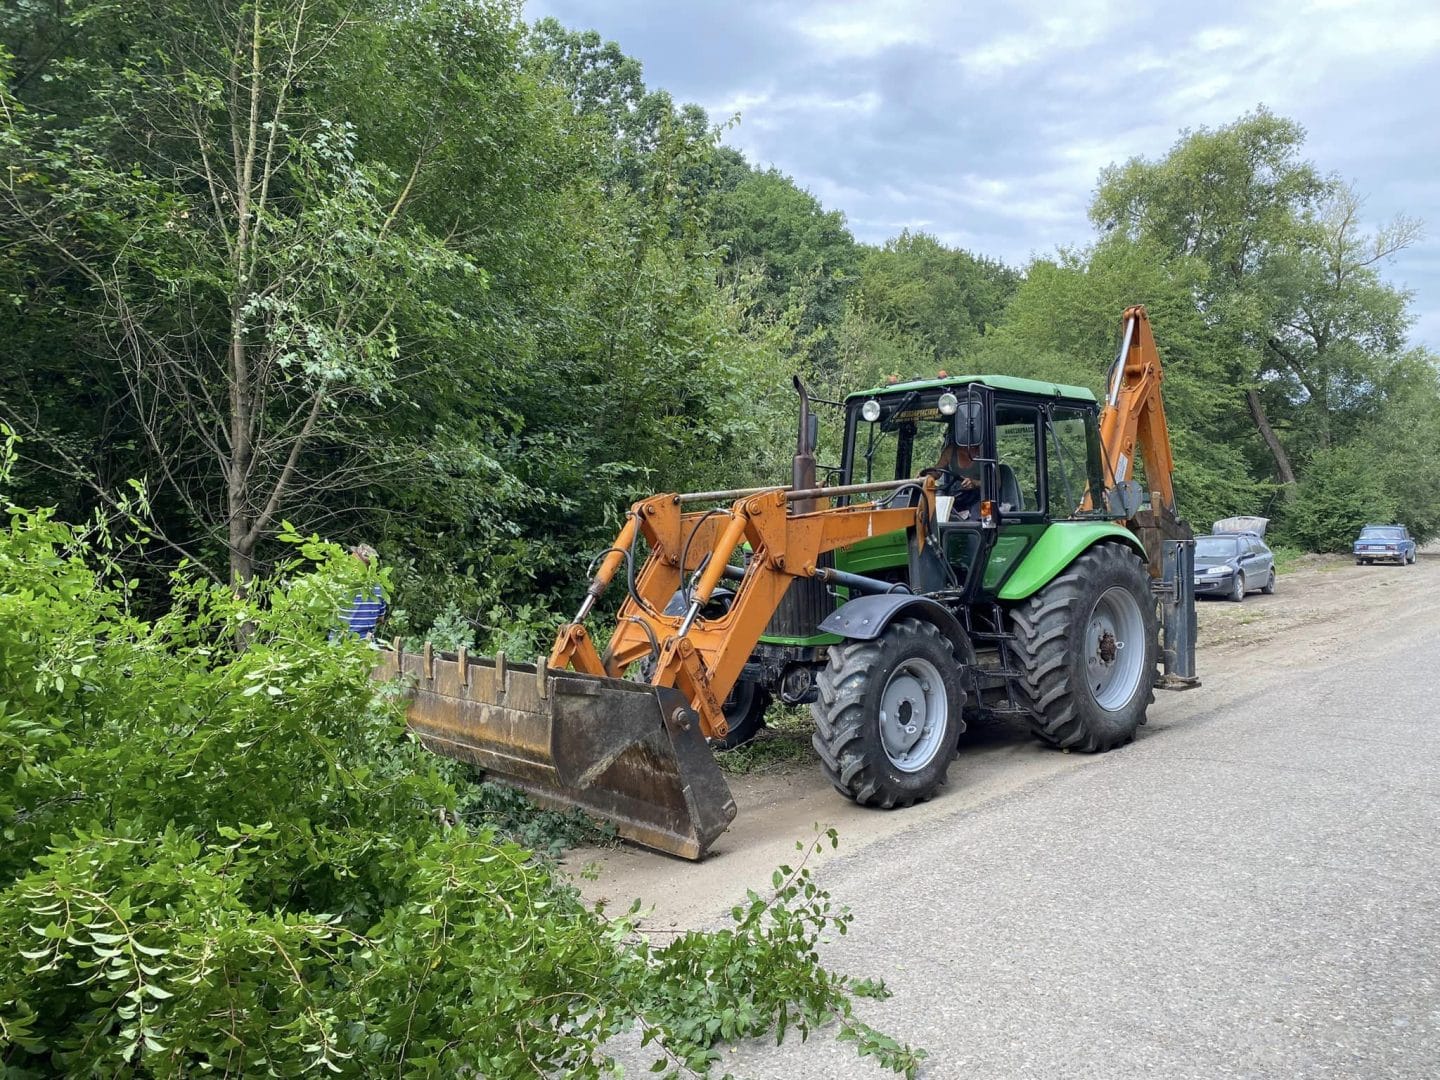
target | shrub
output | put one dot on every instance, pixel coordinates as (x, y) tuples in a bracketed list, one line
[(222, 853), (1343, 489)]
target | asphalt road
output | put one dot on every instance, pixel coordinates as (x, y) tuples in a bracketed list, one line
[(1251, 889)]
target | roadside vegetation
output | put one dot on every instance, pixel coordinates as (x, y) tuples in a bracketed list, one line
[(780, 745), (222, 854)]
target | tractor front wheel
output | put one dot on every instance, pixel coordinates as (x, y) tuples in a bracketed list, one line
[(745, 710), (888, 715), (1087, 645)]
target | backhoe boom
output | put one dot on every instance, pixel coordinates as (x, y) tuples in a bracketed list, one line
[(1134, 414)]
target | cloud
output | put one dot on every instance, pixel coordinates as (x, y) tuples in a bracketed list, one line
[(858, 29), (1041, 40), (987, 123)]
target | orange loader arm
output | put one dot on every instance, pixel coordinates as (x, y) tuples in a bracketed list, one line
[(703, 657), (1133, 418)]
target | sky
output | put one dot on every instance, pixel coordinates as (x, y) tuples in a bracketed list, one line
[(987, 123)]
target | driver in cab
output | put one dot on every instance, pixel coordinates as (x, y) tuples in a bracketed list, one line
[(957, 474)]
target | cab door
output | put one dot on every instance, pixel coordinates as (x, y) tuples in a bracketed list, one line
[(1015, 485)]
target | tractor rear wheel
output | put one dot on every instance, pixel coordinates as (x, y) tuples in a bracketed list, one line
[(1087, 644), (888, 716)]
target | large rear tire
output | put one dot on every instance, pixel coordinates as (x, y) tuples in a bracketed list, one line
[(1087, 644), (888, 715)]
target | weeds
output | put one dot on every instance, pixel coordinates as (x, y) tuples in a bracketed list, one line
[(783, 743)]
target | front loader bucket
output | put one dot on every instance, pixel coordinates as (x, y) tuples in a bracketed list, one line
[(622, 751)]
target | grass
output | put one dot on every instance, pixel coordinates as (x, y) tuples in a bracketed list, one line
[(1287, 557), (781, 744)]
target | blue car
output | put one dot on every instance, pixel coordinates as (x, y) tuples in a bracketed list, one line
[(1385, 543)]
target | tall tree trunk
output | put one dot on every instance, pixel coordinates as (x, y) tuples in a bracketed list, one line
[(1277, 450)]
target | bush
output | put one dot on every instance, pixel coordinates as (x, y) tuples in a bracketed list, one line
[(221, 853), (1343, 489)]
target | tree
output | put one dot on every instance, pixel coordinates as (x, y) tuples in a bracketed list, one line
[(1337, 325), (1235, 198), (943, 298), (240, 267), (803, 254)]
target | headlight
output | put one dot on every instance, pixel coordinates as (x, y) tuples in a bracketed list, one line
[(870, 410), (949, 404)]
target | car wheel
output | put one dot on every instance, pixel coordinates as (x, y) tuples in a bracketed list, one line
[(1237, 591), (1269, 587), (1413, 556)]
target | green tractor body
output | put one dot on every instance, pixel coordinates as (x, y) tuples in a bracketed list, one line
[(1021, 561)]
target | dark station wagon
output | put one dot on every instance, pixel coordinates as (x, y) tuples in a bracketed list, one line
[(1234, 560), (1385, 543)]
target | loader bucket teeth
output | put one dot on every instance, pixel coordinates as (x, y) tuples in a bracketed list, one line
[(621, 751)]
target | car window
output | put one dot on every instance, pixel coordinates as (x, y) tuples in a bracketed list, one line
[(1382, 534), (1215, 547)]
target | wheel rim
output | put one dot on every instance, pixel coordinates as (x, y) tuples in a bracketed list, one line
[(914, 711), (1115, 648)]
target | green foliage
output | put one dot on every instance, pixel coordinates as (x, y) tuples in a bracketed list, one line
[(1341, 492), (1287, 556), (803, 254), (943, 299), (727, 985), (509, 813), (783, 743), (222, 854)]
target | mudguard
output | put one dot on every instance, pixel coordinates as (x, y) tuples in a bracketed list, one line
[(1062, 543), (866, 617)]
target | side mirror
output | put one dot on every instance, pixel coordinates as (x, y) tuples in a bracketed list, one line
[(812, 431), (970, 423)]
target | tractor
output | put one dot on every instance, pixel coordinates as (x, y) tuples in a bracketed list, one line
[(980, 549)]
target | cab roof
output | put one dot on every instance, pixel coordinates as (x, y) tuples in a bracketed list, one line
[(995, 382)]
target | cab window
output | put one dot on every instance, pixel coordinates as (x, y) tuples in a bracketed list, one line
[(1070, 451), (1017, 449)]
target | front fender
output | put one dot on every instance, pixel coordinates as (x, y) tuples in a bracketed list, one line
[(1061, 545), (866, 617)]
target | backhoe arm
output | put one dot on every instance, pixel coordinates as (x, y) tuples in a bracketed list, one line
[(1133, 418)]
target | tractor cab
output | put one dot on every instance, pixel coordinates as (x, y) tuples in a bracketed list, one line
[(1032, 456)]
